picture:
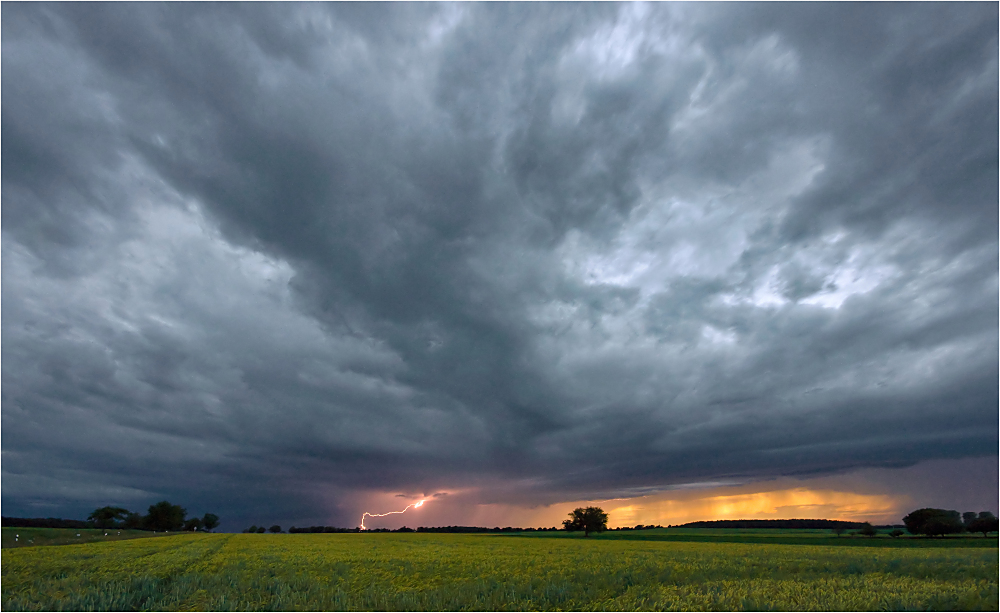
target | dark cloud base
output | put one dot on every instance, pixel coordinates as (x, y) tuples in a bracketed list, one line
[(271, 256)]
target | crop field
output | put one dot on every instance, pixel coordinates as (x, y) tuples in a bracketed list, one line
[(32, 537), (783, 537), (392, 572)]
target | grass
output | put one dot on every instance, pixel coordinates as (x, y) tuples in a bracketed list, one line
[(772, 536), (242, 572), (30, 537)]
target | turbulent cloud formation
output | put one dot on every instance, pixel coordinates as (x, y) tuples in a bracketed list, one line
[(269, 259)]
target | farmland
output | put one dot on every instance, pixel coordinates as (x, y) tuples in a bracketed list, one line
[(31, 537), (486, 572)]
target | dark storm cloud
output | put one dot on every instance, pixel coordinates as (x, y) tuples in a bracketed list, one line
[(256, 256)]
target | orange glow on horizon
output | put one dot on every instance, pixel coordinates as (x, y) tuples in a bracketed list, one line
[(782, 499), (794, 503), (878, 495)]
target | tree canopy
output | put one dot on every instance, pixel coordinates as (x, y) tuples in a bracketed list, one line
[(209, 521), (162, 516), (934, 522), (108, 517), (986, 522), (165, 516), (868, 530), (590, 519)]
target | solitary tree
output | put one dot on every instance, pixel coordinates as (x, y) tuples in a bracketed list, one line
[(165, 516), (590, 519), (868, 530), (275, 529), (985, 523), (896, 533), (108, 517), (210, 521), (933, 522), (261, 530)]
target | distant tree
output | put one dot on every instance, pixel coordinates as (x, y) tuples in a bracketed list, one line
[(210, 521), (986, 522), (261, 530), (165, 516), (108, 517), (590, 519), (896, 533), (252, 529), (132, 521), (968, 517), (933, 522), (193, 524), (838, 530), (868, 530), (43, 522), (275, 529)]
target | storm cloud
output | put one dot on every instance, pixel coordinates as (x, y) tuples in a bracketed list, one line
[(260, 259)]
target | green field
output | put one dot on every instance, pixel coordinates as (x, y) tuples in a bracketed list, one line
[(773, 536), (31, 537), (494, 572)]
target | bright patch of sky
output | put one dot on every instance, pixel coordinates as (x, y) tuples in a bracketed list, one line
[(702, 235)]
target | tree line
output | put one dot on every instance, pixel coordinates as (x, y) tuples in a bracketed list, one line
[(44, 522), (939, 522), (275, 529), (928, 522), (476, 529), (161, 517)]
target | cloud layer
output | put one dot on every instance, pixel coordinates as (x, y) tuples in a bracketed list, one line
[(269, 257)]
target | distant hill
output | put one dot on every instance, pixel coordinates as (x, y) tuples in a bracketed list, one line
[(43, 522), (800, 524)]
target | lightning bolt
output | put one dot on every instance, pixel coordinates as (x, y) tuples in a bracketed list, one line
[(415, 505)]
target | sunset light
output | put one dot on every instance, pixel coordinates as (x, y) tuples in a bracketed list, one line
[(778, 504), (613, 275)]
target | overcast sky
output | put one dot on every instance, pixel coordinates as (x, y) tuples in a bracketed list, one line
[(280, 261)]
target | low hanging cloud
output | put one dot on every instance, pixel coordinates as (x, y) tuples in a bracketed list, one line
[(281, 258)]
